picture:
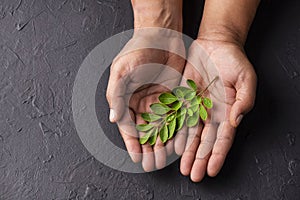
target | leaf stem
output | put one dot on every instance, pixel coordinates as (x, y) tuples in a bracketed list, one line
[(203, 91)]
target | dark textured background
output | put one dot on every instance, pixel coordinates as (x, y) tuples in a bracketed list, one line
[(43, 43)]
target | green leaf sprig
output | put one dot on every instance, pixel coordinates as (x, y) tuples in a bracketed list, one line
[(183, 105)]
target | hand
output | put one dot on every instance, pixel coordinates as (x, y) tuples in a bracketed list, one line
[(206, 146), (138, 74), (137, 77)]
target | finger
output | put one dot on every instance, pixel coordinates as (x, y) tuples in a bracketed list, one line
[(130, 137), (170, 147), (160, 154), (188, 157), (207, 141), (245, 98), (199, 168), (225, 137), (115, 91), (148, 160), (180, 141)]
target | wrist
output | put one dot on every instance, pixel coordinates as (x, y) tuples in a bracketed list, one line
[(222, 33), (158, 13), (227, 21)]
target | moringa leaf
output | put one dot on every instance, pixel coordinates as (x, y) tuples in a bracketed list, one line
[(199, 99), (159, 108), (144, 127), (196, 100), (194, 108), (180, 112), (190, 95), (192, 84), (193, 120), (207, 102), (164, 133), (170, 117), (172, 127), (146, 137), (190, 112), (180, 118), (167, 98), (203, 113), (148, 117), (181, 91), (176, 105), (153, 137)]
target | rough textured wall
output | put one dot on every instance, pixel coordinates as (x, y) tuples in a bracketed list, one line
[(43, 43)]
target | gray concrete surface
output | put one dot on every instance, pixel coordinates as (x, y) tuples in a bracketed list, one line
[(43, 43)]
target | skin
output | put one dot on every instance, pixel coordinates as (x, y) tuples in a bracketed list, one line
[(221, 38)]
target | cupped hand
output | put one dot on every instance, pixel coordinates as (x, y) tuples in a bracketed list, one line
[(139, 74), (204, 148)]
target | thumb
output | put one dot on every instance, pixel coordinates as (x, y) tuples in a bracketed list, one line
[(115, 95), (245, 98)]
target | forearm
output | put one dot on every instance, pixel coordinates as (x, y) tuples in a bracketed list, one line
[(158, 13), (227, 20)]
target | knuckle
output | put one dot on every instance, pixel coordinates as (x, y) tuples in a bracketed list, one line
[(159, 146), (217, 153), (207, 142), (226, 138), (193, 137)]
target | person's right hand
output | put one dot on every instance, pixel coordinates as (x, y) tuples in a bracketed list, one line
[(129, 94), (157, 31)]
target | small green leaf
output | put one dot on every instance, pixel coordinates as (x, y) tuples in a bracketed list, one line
[(194, 101), (152, 139), (190, 95), (146, 137), (167, 98), (181, 91), (171, 127), (194, 108), (190, 112), (176, 105), (193, 120), (144, 127), (171, 117), (203, 113), (148, 117), (180, 118), (192, 84), (199, 99), (207, 102), (159, 108), (181, 112), (164, 133)]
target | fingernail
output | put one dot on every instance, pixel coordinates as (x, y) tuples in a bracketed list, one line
[(111, 115), (239, 119)]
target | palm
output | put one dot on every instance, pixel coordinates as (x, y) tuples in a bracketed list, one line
[(207, 145)]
